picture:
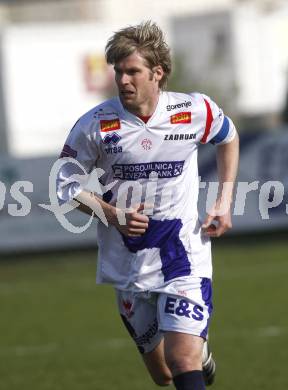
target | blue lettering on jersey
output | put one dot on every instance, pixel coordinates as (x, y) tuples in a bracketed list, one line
[(164, 169), (114, 150)]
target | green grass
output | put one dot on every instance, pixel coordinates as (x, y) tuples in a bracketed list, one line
[(60, 331)]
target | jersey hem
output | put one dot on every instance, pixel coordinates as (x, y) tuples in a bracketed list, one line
[(157, 287)]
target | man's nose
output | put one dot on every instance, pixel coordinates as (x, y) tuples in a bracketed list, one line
[(123, 79)]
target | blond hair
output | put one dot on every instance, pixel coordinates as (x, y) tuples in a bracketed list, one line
[(145, 38)]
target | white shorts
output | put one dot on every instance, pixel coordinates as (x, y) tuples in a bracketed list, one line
[(182, 306)]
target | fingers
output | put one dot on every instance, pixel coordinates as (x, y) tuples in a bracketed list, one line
[(216, 226), (215, 231), (135, 224), (130, 231), (134, 234), (209, 219), (140, 207), (139, 216), (134, 216)]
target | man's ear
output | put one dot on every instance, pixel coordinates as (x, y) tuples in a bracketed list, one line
[(158, 72)]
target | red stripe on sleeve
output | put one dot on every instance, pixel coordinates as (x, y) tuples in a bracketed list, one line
[(209, 120)]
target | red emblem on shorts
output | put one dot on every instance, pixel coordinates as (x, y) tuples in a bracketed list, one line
[(181, 117), (182, 292), (127, 305)]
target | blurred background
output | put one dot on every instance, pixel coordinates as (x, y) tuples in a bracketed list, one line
[(57, 329)]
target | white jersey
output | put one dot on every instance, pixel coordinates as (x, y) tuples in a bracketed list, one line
[(155, 163)]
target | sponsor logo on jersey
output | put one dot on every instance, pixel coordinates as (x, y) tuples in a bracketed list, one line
[(163, 169), (180, 117), (114, 150), (111, 139), (179, 137), (171, 107), (110, 124), (101, 112), (67, 151), (146, 144)]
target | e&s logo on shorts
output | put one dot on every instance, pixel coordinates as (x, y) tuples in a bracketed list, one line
[(183, 308)]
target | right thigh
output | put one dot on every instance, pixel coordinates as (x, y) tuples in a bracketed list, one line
[(156, 365), (139, 316)]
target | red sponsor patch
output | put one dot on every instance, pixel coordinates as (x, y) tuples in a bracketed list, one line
[(181, 117), (110, 124)]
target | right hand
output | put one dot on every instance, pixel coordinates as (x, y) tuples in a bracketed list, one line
[(136, 223)]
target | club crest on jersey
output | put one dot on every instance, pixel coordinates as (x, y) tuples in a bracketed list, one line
[(180, 117), (110, 124), (146, 144)]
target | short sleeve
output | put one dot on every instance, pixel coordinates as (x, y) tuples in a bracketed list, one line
[(82, 148), (218, 128)]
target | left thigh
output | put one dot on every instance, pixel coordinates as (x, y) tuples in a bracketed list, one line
[(186, 307), (183, 352)]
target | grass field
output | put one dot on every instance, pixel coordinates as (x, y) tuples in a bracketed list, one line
[(59, 331)]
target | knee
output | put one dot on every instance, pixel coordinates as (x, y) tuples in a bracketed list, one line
[(184, 363), (162, 380)]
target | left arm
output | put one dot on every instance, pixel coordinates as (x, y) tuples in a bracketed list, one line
[(227, 167)]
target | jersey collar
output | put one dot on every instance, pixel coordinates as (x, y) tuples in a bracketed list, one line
[(160, 108)]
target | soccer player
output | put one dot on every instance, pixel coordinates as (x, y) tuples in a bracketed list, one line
[(153, 249)]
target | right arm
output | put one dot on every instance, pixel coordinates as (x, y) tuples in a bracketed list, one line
[(135, 223), (82, 148)]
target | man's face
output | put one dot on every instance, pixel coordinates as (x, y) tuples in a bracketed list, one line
[(137, 84)]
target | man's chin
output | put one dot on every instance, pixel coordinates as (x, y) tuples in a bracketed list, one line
[(128, 103)]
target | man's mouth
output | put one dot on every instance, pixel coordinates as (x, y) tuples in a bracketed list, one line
[(127, 93)]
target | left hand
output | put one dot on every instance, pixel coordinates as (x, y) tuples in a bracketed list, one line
[(223, 223)]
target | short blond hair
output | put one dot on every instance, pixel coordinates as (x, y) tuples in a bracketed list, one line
[(145, 38)]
